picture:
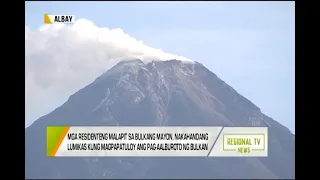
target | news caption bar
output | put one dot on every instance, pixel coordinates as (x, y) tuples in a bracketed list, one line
[(66, 141)]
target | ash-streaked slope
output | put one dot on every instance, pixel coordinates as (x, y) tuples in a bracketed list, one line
[(159, 93), (57, 55)]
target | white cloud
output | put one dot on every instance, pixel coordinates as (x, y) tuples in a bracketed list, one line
[(61, 59)]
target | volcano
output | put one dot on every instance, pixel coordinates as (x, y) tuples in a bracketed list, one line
[(159, 93)]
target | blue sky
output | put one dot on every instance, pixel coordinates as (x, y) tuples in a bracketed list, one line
[(250, 45)]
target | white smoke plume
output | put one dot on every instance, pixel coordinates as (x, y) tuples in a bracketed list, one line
[(61, 59)]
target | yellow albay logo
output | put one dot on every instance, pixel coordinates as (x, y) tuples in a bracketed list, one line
[(47, 19), (58, 19)]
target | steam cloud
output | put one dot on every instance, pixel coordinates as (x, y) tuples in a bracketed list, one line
[(61, 59)]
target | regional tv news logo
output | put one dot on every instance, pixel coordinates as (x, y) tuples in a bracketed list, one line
[(58, 19)]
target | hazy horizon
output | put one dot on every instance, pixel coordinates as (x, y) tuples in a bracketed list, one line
[(249, 45)]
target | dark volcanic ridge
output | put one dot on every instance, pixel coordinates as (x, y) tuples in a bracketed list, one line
[(159, 93)]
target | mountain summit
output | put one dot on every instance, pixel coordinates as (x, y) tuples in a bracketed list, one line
[(159, 93)]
